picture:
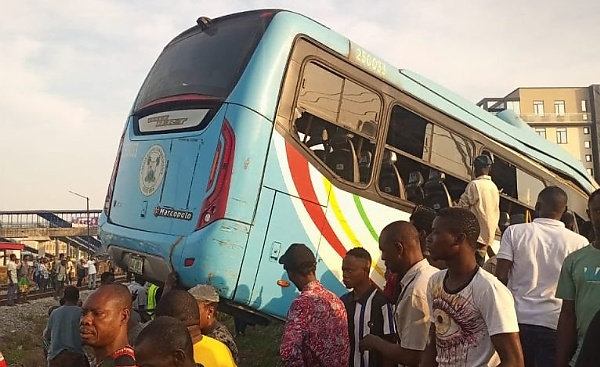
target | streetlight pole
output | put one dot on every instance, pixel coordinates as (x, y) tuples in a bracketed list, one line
[(87, 210)]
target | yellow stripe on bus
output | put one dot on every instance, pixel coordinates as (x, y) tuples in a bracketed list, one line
[(335, 207)]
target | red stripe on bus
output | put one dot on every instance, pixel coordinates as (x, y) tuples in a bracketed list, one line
[(301, 177)]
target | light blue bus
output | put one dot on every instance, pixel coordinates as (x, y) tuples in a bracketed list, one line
[(256, 130)]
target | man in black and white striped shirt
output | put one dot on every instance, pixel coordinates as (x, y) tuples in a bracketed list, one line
[(369, 311)]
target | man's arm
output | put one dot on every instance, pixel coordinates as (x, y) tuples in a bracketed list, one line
[(509, 349), (291, 342), (566, 334), (47, 331), (502, 269), (430, 352), (469, 197), (393, 352), (505, 257)]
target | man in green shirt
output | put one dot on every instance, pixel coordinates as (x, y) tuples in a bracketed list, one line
[(579, 288)]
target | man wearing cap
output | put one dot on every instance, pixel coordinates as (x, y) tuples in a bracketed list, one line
[(207, 298), (316, 331), (482, 198)]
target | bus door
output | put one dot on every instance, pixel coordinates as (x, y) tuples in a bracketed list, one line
[(290, 222)]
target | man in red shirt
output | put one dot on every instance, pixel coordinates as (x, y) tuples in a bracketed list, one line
[(316, 331)]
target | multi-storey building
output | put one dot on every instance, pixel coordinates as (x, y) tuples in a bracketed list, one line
[(567, 116)]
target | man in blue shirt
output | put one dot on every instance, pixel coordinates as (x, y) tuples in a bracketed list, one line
[(62, 333)]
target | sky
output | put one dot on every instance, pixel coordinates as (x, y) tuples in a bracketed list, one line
[(70, 70)]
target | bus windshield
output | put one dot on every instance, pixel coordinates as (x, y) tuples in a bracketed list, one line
[(206, 62)]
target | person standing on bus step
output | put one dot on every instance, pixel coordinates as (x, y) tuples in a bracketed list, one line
[(368, 309), (401, 250), (103, 326), (579, 288), (529, 262), (182, 306), (316, 330), (62, 333), (473, 320), (207, 299), (91, 272), (12, 279), (482, 197)]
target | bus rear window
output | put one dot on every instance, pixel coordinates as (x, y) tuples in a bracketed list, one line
[(207, 62)]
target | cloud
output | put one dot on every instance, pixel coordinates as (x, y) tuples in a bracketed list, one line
[(70, 72)]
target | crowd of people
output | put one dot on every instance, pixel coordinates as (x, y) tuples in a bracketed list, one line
[(46, 273), (536, 303)]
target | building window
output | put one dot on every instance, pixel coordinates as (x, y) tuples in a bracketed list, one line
[(515, 106), (590, 172), (541, 131), (588, 157), (587, 144), (584, 106), (538, 108), (586, 130), (559, 108), (561, 135)]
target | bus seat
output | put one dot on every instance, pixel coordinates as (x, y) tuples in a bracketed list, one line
[(436, 193), (414, 188), (342, 159), (517, 218), (364, 165), (389, 178), (318, 145)]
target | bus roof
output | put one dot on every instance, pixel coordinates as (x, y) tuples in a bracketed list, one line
[(287, 25)]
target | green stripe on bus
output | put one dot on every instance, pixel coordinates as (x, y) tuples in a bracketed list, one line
[(364, 217)]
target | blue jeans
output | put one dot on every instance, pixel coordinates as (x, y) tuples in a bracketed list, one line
[(539, 345), (12, 291)]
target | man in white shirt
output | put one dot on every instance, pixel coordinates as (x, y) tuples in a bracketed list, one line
[(482, 198), (473, 320), (139, 294), (91, 271), (12, 279), (529, 262), (401, 250)]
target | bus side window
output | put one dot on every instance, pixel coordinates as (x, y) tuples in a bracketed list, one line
[(452, 152), (514, 182), (528, 187), (336, 119), (408, 132)]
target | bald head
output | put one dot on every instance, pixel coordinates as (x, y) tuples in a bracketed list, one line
[(401, 232), (166, 342), (180, 305), (118, 293), (400, 246)]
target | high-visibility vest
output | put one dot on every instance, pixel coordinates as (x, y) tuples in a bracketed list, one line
[(152, 299)]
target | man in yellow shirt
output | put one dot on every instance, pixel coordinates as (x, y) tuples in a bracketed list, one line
[(207, 351)]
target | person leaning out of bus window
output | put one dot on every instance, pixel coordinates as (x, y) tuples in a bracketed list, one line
[(482, 198)]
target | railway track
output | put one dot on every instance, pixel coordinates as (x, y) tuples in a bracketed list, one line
[(33, 295)]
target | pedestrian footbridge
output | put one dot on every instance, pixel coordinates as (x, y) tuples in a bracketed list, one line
[(76, 228)]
